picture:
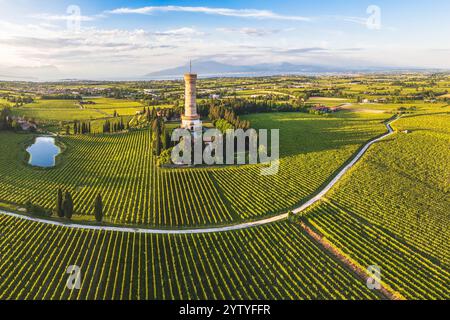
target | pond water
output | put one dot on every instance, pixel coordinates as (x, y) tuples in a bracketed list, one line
[(43, 152)]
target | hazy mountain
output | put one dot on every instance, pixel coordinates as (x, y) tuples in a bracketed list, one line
[(214, 68)]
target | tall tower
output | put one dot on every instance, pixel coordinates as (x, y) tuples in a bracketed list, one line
[(191, 120)]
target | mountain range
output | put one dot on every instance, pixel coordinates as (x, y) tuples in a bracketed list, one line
[(213, 68)]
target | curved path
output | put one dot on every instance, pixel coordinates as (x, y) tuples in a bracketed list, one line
[(240, 226)]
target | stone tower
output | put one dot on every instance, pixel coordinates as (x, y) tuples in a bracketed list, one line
[(190, 119)]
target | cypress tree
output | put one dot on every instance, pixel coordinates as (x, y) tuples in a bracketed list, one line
[(98, 208), (157, 141), (107, 126), (166, 139), (156, 125), (68, 206), (59, 204)]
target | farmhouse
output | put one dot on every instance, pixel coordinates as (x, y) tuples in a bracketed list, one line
[(25, 125)]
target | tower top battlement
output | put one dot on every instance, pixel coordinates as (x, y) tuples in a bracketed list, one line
[(190, 76)]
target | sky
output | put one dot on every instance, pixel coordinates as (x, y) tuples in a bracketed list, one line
[(116, 39)]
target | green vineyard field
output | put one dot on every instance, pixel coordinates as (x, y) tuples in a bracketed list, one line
[(403, 183), (227, 231), (273, 262), (121, 168), (414, 275), (392, 209)]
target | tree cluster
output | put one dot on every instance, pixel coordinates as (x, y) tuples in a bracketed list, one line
[(216, 108), (160, 136), (65, 207), (110, 127), (62, 96), (5, 119), (81, 127), (19, 100), (223, 113)]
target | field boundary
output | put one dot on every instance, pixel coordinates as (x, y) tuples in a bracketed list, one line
[(385, 290), (235, 227)]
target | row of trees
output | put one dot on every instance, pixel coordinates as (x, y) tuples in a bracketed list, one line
[(64, 206), (63, 96), (19, 100), (109, 127), (221, 112), (81, 127), (167, 113), (215, 109)]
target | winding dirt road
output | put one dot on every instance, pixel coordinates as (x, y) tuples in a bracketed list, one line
[(240, 226)]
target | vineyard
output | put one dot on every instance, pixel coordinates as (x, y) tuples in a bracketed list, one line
[(414, 275), (403, 185), (392, 210), (70, 110), (121, 168), (274, 262)]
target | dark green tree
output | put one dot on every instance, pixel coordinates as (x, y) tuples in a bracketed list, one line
[(68, 206), (157, 140), (98, 209), (59, 204), (165, 139)]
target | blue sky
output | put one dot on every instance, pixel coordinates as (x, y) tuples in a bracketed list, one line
[(125, 39)]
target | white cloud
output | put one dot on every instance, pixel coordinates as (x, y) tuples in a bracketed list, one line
[(257, 32), (93, 52), (180, 32), (98, 53), (240, 13), (52, 17)]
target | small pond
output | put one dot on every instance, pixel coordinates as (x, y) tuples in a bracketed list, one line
[(43, 152)]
